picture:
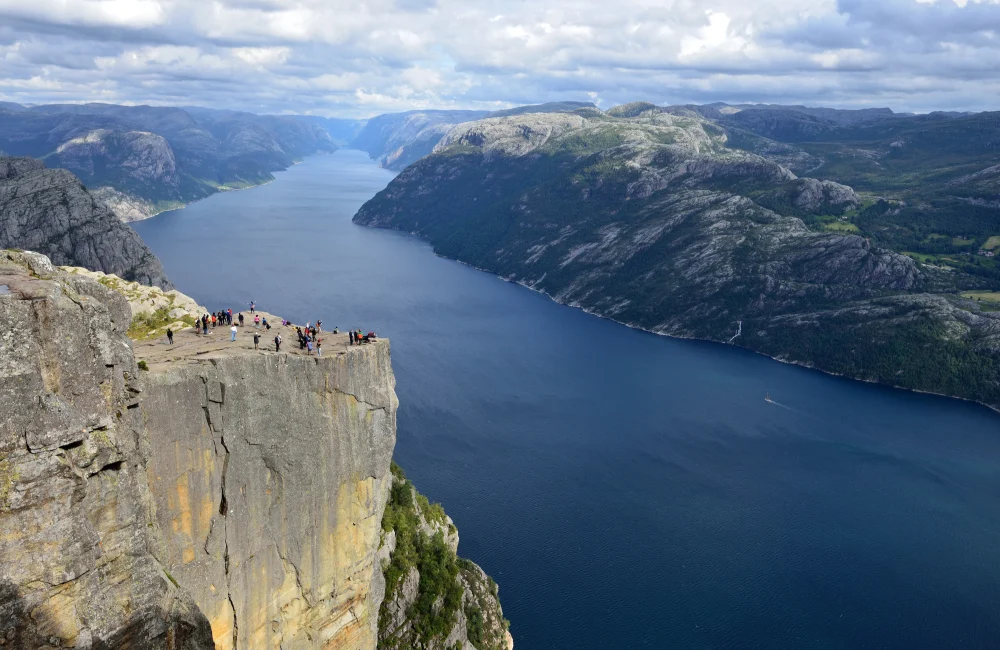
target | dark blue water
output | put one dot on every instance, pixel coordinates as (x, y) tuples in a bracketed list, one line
[(628, 490)]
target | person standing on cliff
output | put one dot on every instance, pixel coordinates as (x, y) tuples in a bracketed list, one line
[(241, 319), (256, 340), (252, 305), (170, 336), (277, 343), (319, 348), (232, 331), (350, 335)]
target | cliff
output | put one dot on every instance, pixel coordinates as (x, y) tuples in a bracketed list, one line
[(221, 497), (51, 212), (270, 473), (77, 516)]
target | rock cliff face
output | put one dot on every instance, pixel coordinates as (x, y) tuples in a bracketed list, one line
[(270, 474), (50, 211), (217, 498), (78, 561)]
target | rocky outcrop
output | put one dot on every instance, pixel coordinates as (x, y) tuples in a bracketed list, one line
[(50, 211), (434, 599), (78, 535)]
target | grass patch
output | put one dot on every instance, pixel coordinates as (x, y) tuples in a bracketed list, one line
[(841, 226), (992, 242), (988, 300), (149, 325)]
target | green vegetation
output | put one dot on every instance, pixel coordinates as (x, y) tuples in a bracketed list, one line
[(841, 226), (150, 325), (988, 300), (992, 242), (439, 594), (143, 365), (432, 612)]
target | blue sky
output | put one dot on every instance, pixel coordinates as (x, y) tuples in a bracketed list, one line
[(362, 57)]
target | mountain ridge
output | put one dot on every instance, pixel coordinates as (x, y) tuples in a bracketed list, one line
[(655, 221)]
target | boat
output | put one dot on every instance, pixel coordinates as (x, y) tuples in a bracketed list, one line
[(767, 398)]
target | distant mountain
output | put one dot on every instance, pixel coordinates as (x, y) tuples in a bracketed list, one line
[(143, 159), (395, 140), (49, 211), (687, 225)]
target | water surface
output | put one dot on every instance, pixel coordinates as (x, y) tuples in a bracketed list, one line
[(628, 490)]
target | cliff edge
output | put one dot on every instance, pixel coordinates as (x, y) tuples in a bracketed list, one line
[(199, 495)]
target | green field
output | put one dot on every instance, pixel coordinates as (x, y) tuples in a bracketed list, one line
[(841, 226), (992, 242), (988, 300)]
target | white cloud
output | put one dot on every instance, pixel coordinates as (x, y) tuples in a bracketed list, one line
[(341, 57)]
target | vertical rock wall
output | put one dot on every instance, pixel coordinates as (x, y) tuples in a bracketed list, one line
[(270, 475), (76, 520)]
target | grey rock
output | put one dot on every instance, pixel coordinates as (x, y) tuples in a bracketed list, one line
[(76, 512), (50, 211)]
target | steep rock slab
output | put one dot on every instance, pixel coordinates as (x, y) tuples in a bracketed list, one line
[(271, 474), (76, 519), (51, 212)]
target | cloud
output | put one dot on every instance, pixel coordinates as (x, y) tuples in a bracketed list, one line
[(344, 58)]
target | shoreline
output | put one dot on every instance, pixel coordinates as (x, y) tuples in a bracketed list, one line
[(994, 409), (223, 189)]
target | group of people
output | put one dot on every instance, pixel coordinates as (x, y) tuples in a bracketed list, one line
[(308, 336), (221, 317), (357, 338)]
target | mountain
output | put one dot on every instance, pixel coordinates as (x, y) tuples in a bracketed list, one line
[(143, 159), (395, 140), (51, 212), (654, 218)]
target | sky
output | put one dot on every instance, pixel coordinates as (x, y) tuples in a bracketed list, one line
[(359, 58)]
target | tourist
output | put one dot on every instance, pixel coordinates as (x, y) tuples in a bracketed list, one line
[(241, 319), (232, 331), (229, 316), (252, 305), (309, 347), (256, 339), (213, 321), (256, 321), (170, 336), (319, 348), (277, 343), (319, 326), (350, 335)]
